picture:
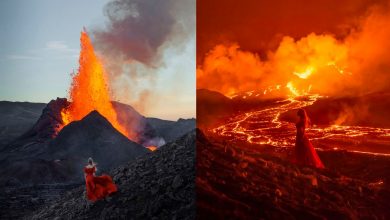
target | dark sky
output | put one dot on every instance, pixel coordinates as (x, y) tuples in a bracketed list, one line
[(258, 25)]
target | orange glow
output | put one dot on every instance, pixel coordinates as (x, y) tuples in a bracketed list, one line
[(305, 74), (89, 90), (315, 61), (152, 148), (332, 65)]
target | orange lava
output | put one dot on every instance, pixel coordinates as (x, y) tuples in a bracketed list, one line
[(265, 127), (89, 90), (152, 148)]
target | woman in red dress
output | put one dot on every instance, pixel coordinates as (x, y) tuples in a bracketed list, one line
[(305, 154), (98, 187)]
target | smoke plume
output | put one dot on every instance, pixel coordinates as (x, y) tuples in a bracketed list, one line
[(319, 62), (137, 42), (136, 29)]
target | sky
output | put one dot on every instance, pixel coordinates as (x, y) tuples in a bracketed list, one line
[(259, 26), (39, 47)]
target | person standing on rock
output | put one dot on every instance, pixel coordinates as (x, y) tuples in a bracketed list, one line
[(305, 154), (98, 187)]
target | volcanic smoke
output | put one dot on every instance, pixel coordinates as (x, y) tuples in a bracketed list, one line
[(89, 90), (318, 63)]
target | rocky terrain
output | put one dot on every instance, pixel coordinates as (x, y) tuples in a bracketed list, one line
[(34, 172), (61, 159), (18, 201), (365, 110), (214, 108), (38, 164), (253, 182), (16, 118), (158, 185), (171, 130)]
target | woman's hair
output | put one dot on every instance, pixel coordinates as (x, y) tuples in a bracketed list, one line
[(90, 161), (303, 115)]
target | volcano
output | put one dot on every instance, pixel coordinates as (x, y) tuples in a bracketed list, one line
[(24, 160), (42, 164), (63, 154), (95, 137)]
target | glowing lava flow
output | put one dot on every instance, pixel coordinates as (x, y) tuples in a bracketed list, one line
[(89, 90), (265, 127)]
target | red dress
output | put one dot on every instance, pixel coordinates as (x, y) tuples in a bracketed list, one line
[(98, 187), (305, 154)]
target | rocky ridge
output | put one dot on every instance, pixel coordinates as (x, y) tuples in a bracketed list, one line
[(158, 185), (235, 181)]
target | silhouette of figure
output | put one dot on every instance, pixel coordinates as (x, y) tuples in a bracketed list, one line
[(98, 187), (305, 154)]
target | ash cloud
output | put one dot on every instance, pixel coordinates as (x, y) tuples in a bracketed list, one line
[(138, 42), (137, 29)]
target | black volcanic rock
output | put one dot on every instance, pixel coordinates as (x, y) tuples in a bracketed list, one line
[(160, 185), (171, 130), (16, 118), (49, 121), (95, 137), (16, 202), (235, 181)]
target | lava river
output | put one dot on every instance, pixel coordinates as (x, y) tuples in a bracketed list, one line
[(265, 127)]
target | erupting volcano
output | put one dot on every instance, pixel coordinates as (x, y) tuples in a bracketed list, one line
[(89, 90)]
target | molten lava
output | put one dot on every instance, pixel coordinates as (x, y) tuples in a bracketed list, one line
[(89, 90), (152, 147), (265, 127)]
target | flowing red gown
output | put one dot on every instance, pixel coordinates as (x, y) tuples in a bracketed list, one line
[(98, 187), (305, 154)]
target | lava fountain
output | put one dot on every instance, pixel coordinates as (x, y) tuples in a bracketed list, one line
[(89, 90)]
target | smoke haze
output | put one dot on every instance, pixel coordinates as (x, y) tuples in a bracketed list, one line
[(353, 63)]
